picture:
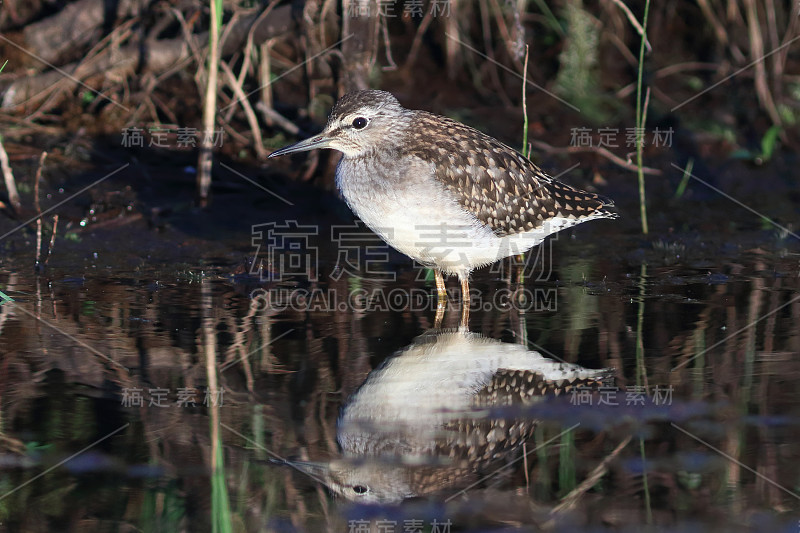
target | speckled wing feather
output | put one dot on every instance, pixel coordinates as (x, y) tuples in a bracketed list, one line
[(503, 189), (513, 387), (484, 439)]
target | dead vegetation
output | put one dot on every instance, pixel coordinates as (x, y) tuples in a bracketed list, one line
[(145, 65)]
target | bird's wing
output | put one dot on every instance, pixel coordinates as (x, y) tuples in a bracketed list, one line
[(502, 188)]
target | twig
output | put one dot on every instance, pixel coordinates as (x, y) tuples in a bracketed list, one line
[(328, 8), (264, 73), (622, 48), (791, 31), (514, 55), (487, 44), (572, 498), (187, 38), (417, 42), (38, 208), (270, 115), (164, 107), (82, 71), (757, 51), (241, 98), (52, 240), (598, 150), (387, 45), (453, 48), (248, 51), (635, 23), (238, 137), (719, 28), (680, 67), (667, 71)]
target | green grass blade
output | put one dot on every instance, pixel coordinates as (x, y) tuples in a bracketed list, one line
[(769, 142), (640, 119), (687, 173)]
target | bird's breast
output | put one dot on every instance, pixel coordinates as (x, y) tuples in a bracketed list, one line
[(414, 213)]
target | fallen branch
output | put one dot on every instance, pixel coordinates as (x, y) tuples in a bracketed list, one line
[(76, 25)]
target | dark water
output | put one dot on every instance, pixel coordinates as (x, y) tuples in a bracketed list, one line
[(154, 379)]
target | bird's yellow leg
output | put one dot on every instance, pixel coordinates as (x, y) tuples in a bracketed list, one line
[(437, 321), (441, 292), (440, 288)]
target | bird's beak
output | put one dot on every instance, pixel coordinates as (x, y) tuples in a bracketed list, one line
[(312, 143)]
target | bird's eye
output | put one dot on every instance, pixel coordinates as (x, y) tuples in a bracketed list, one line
[(360, 123), (360, 489)]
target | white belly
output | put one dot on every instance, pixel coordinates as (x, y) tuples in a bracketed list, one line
[(421, 219)]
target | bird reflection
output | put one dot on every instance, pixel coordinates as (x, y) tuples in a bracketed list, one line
[(420, 424)]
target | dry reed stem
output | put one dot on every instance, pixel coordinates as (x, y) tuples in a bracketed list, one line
[(452, 46), (8, 176), (205, 157), (487, 44), (263, 66), (506, 35), (791, 31), (264, 79), (417, 42), (37, 206), (52, 240), (241, 99), (635, 23), (711, 17), (387, 45), (52, 94), (570, 500)]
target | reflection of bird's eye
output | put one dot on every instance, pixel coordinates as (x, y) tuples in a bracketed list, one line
[(360, 123), (360, 489)]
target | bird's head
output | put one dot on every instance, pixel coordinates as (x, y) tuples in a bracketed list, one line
[(360, 122), (364, 481)]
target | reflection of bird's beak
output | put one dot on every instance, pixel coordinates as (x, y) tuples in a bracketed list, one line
[(316, 471), (312, 143)]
